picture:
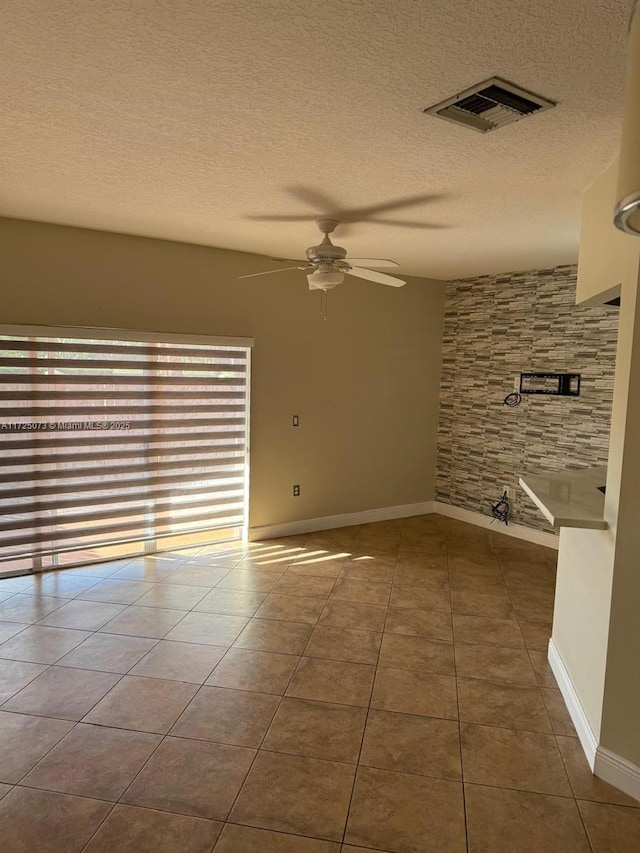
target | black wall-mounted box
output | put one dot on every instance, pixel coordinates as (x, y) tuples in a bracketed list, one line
[(555, 384)]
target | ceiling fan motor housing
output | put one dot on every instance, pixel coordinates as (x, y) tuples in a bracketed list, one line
[(326, 252)]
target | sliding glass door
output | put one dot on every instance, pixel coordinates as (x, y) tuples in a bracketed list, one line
[(116, 443)]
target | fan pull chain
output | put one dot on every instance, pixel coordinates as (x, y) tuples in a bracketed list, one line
[(323, 304)]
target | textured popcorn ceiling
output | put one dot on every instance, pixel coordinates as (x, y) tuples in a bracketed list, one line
[(179, 119)]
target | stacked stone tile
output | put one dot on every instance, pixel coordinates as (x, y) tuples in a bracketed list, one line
[(495, 328)]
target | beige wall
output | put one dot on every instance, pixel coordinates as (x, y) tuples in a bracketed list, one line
[(364, 382), (621, 704), (607, 256), (581, 613), (586, 558), (596, 627)]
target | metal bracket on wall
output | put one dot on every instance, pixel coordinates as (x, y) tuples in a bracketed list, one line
[(554, 384)]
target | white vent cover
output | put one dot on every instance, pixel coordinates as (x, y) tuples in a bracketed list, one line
[(490, 105)]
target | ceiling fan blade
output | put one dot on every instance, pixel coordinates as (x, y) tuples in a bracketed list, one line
[(371, 262), (403, 223), (314, 198), (269, 272), (361, 213), (378, 277), (277, 218)]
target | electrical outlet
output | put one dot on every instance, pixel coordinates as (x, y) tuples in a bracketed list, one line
[(296, 491), (510, 491)]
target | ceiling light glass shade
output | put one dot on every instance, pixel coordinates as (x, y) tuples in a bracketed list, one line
[(627, 211), (324, 279)]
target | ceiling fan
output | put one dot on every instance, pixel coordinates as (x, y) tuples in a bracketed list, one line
[(328, 264), (374, 214)]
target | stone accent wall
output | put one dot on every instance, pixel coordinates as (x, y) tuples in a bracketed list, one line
[(495, 328)]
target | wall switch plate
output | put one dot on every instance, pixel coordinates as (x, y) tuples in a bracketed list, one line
[(295, 421), (296, 491)]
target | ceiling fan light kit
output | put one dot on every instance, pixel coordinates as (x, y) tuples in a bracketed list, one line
[(324, 279), (328, 264)]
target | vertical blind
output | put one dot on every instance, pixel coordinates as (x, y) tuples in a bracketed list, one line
[(107, 440)]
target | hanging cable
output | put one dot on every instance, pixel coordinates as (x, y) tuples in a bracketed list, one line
[(512, 399), (500, 510)]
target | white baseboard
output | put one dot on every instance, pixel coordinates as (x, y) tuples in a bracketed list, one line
[(618, 772), (310, 525), (539, 537), (574, 705)]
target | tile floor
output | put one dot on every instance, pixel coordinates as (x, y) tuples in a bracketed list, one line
[(375, 688)]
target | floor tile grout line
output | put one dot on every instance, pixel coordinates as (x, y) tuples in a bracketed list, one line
[(521, 790), (277, 832), (358, 763), (163, 737), (575, 798), (540, 687), (493, 786), (24, 627), (459, 721), (161, 741), (257, 752), (517, 620), (282, 698), (41, 759), (260, 693), (584, 827), (108, 814), (366, 719), (564, 763), (118, 802), (60, 662), (47, 667), (76, 723), (495, 679), (122, 675)]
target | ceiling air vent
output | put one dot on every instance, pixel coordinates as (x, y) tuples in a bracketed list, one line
[(490, 105)]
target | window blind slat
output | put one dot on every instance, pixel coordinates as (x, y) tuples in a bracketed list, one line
[(235, 462), (223, 480), (90, 515), (122, 379), (132, 540), (40, 507), (115, 348), (71, 438), (39, 394), (39, 504), (124, 408), (128, 424), (115, 364), (97, 534)]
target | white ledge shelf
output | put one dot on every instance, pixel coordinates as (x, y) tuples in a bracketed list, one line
[(569, 498)]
